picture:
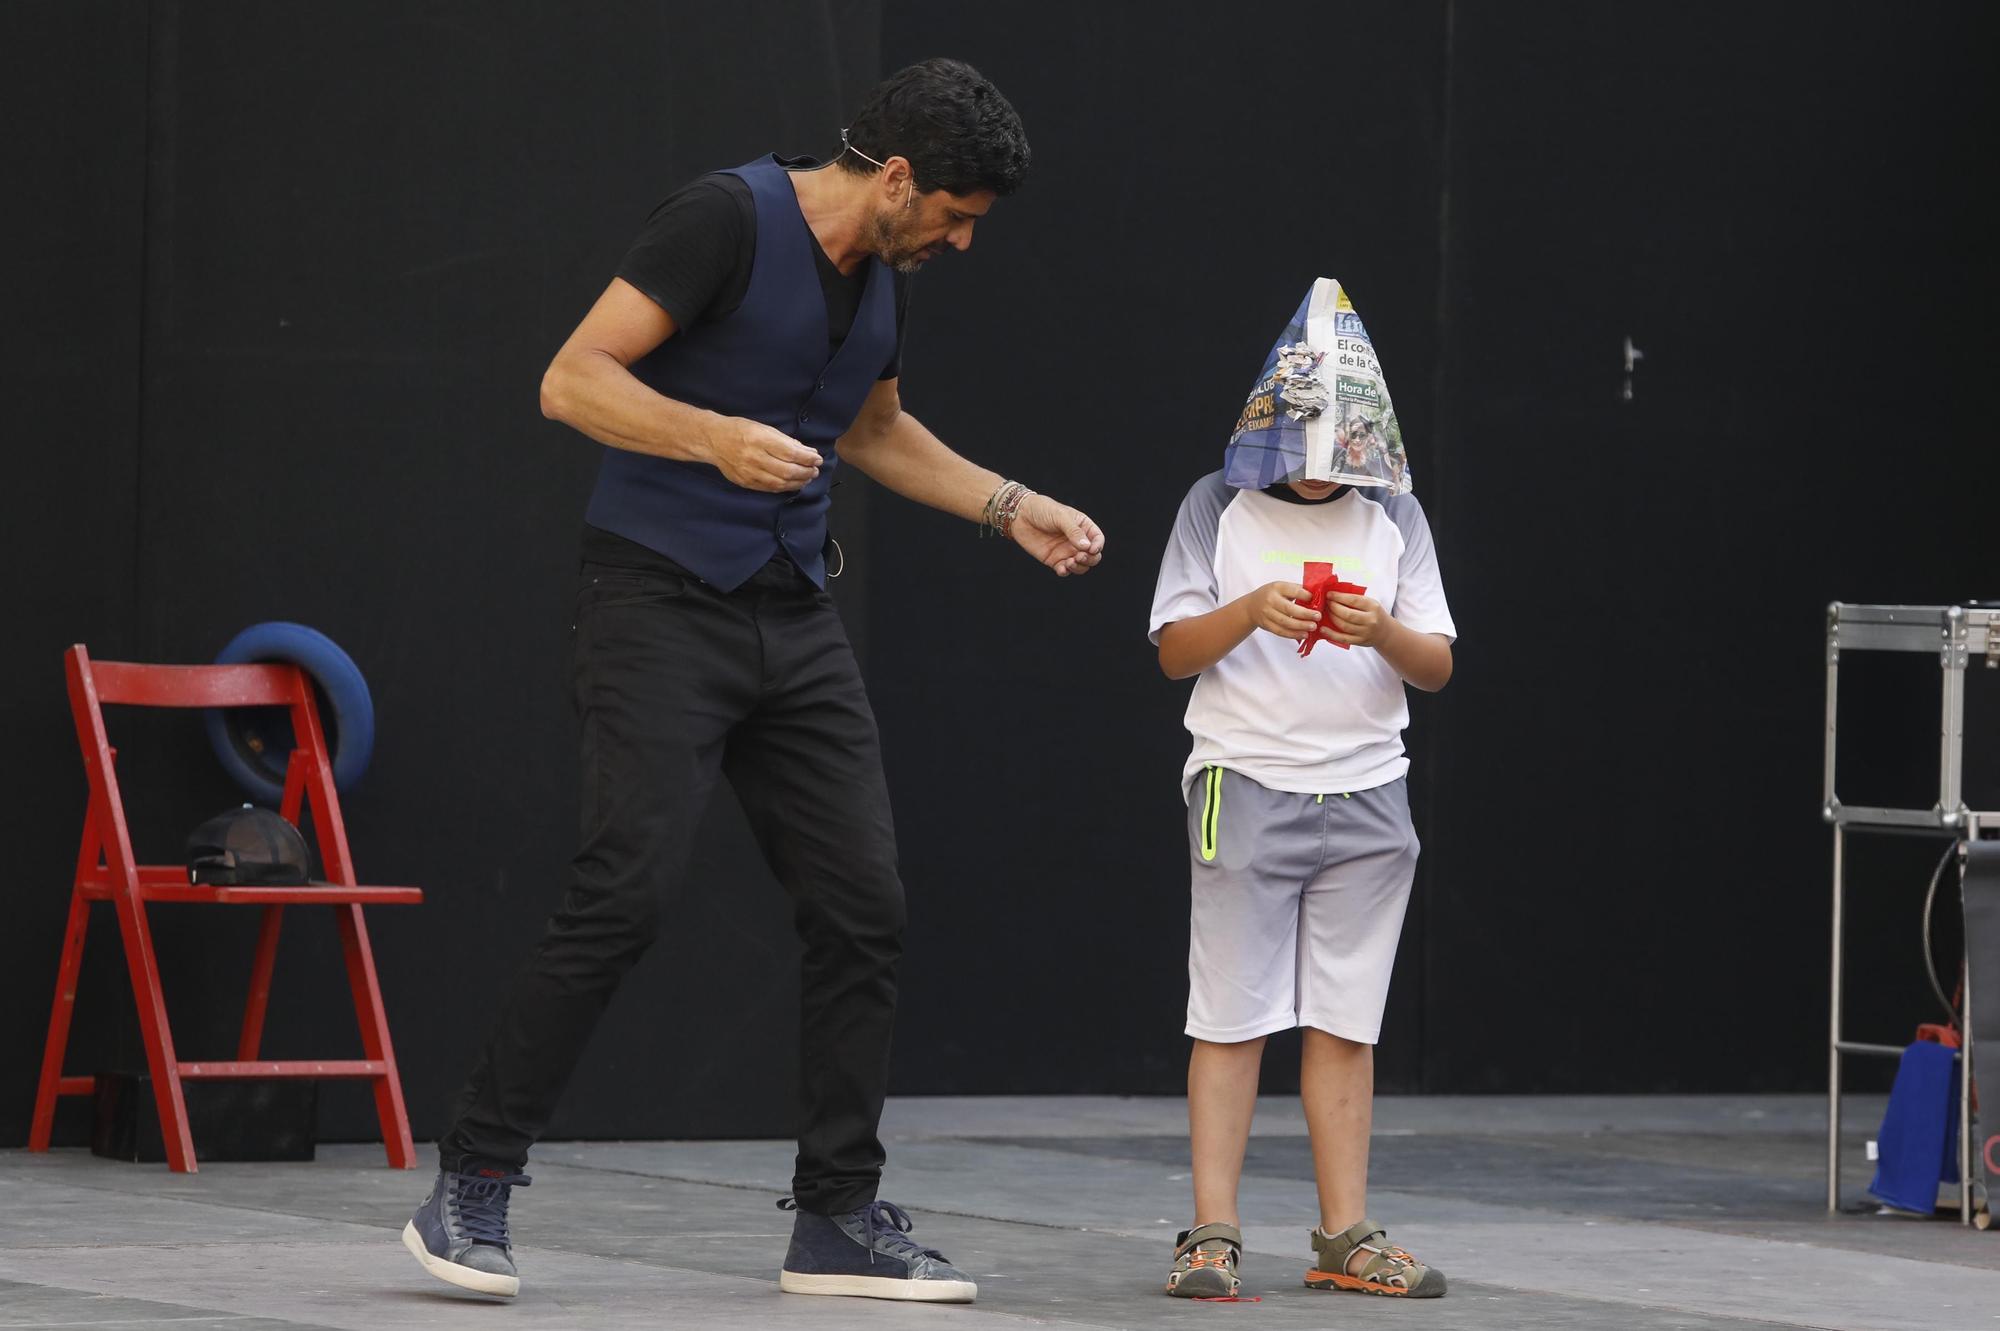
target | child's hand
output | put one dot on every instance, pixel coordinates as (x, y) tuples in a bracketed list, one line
[(1271, 609), (1357, 621)]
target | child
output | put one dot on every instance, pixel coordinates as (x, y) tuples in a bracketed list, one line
[(1298, 818)]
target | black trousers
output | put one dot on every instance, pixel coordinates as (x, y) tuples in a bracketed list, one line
[(678, 684)]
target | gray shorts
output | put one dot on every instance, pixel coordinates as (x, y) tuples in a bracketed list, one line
[(1298, 903)]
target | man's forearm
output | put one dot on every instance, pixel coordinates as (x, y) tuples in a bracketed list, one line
[(916, 464), (591, 392)]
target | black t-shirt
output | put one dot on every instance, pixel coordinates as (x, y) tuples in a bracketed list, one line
[(693, 261)]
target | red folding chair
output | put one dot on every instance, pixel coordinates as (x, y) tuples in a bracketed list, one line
[(107, 871)]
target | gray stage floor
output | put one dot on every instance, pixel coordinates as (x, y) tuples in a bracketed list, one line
[(1574, 1212)]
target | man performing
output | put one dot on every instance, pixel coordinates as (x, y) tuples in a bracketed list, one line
[(750, 343)]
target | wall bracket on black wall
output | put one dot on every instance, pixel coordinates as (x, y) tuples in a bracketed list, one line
[(1632, 358)]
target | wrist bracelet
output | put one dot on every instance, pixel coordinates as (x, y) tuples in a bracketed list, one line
[(1002, 508)]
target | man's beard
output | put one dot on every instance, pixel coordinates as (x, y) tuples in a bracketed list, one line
[(892, 239)]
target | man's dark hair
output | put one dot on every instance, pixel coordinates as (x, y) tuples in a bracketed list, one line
[(955, 128)]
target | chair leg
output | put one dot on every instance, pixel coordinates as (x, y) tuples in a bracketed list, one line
[(260, 985), (374, 1021), (157, 1033), (48, 1089)]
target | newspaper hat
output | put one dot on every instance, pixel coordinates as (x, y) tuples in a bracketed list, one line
[(1320, 409)]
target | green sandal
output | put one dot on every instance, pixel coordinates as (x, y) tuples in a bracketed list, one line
[(1205, 1263), (1388, 1270)]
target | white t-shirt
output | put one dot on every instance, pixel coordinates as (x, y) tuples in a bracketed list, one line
[(1331, 721)]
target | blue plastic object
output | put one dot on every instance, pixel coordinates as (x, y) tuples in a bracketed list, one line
[(255, 743), (1917, 1143)]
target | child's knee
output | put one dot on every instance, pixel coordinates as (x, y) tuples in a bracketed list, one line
[(1336, 1043), (1228, 1048)]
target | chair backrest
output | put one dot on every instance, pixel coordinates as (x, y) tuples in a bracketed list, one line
[(136, 685), (308, 776)]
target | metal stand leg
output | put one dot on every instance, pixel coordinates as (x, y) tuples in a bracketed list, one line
[(1833, 1039), (1965, 1156)]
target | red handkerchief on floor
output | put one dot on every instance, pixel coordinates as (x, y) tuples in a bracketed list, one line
[(1319, 580)]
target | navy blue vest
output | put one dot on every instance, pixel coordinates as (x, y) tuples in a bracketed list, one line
[(766, 361)]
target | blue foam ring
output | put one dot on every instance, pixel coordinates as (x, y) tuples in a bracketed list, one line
[(347, 712)]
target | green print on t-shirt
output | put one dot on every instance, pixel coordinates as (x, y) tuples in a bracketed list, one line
[(1341, 563)]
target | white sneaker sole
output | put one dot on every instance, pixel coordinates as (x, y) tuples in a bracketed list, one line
[(480, 1282), (880, 1287)]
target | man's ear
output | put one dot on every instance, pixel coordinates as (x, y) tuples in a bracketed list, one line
[(899, 182)]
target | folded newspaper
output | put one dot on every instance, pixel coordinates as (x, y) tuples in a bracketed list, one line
[(1320, 410)]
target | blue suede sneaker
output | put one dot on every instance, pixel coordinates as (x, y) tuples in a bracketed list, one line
[(868, 1253), (459, 1234)]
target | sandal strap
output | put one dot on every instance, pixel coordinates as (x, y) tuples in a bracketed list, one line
[(1337, 1248), (1214, 1232)]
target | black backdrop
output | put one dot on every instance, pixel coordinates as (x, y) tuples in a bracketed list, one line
[(288, 277)]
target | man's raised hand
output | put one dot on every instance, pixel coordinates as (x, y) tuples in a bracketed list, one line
[(1061, 537), (757, 457)]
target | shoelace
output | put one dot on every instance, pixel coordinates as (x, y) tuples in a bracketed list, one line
[(479, 1204), (886, 1227), (889, 1225), (1395, 1256), (1398, 1263), (1223, 1257)]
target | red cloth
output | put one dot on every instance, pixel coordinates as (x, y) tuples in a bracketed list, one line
[(1320, 579), (1936, 1034)]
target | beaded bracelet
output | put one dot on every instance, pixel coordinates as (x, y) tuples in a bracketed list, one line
[(1002, 508), (987, 514)]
